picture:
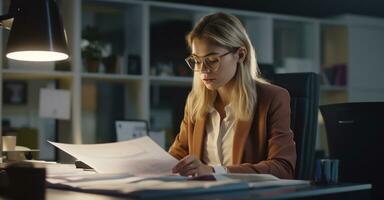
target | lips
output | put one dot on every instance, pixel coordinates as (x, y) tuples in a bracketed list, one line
[(208, 80)]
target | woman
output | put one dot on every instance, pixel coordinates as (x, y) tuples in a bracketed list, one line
[(234, 121)]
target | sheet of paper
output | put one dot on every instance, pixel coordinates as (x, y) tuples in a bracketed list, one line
[(260, 180), (153, 188), (54, 103), (247, 177), (139, 157)]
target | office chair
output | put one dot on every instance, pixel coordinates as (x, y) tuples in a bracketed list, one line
[(355, 134), (304, 91)]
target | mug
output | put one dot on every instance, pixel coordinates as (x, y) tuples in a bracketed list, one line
[(327, 171), (9, 142)]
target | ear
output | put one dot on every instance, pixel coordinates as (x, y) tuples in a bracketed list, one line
[(242, 53)]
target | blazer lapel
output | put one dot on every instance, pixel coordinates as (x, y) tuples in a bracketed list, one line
[(240, 137), (198, 137)]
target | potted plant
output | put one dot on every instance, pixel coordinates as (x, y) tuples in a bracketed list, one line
[(92, 49)]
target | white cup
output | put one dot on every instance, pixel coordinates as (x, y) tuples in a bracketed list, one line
[(9, 143)]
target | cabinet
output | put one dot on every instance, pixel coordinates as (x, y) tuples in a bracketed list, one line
[(143, 75)]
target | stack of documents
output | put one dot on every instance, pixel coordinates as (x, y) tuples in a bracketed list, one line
[(129, 168), (142, 187), (141, 168)]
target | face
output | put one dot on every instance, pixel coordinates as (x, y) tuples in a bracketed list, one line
[(212, 55)]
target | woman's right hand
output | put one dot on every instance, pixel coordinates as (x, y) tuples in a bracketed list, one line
[(191, 166)]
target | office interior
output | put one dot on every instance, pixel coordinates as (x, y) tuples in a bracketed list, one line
[(127, 63), (141, 73)]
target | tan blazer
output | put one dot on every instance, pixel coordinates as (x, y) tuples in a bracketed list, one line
[(263, 145)]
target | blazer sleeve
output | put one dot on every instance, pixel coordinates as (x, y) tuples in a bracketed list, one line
[(281, 158), (180, 148)]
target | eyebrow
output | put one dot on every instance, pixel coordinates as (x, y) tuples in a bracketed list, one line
[(212, 53)]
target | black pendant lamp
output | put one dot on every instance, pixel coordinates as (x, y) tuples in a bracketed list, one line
[(37, 32)]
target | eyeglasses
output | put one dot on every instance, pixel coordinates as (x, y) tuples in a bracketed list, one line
[(212, 62)]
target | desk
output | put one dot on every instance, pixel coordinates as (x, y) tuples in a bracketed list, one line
[(340, 191)]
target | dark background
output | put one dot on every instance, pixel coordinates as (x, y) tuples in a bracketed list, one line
[(309, 8)]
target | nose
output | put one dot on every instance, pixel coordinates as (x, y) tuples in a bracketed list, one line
[(205, 68)]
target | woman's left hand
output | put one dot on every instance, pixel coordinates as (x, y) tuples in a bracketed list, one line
[(191, 166)]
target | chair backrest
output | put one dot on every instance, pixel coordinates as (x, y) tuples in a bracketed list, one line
[(304, 91), (355, 134)]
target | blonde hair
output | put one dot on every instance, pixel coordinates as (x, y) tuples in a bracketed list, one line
[(227, 31)]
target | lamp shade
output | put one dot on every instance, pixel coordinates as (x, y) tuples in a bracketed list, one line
[(37, 32)]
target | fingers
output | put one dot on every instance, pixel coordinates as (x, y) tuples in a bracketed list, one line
[(187, 166), (189, 172), (182, 163), (191, 169)]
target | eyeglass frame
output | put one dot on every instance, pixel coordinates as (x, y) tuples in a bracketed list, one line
[(204, 58)]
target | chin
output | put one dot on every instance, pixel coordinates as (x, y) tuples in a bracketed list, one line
[(211, 86)]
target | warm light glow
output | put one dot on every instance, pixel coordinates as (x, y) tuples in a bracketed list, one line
[(37, 56)]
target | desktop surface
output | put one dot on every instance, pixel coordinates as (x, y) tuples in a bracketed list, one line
[(339, 191)]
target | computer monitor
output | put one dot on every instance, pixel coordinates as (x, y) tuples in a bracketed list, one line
[(130, 129)]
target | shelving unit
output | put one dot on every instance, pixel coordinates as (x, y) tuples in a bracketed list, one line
[(145, 77)]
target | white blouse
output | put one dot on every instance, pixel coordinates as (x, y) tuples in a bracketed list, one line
[(219, 139)]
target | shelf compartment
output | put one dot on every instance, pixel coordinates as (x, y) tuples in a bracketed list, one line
[(167, 55), (293, 46), (103, 103), (112, 37), (334, 54)]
